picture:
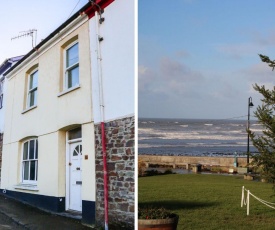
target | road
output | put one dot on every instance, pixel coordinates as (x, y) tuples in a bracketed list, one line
[(7, 223)]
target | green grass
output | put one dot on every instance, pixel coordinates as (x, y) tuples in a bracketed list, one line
[(209, 201)]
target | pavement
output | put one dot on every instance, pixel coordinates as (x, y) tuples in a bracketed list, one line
[(17, 215)]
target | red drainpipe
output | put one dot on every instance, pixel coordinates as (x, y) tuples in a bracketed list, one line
[(102, 114), (105, 171), (93, 11)]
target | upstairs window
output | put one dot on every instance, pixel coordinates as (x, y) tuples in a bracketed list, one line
[(1, 93), (30, 161), (71, 66), (32, 89)]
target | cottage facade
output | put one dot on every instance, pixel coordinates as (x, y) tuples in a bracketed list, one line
[(7, 64), (53, 147)]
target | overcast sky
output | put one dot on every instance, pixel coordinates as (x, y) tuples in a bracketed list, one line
[(199, 58), (44, 16)]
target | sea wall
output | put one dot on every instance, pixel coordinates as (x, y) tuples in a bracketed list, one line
[(179, 161)]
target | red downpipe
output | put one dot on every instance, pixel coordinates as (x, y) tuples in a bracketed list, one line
[(93, 11), (105, 171)]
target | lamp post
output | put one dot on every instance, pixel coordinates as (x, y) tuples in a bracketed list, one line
[(250, 104)]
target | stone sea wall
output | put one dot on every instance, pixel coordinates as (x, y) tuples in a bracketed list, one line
[(182, 161)]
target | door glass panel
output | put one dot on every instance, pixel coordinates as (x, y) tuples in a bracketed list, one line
[(75, 133), (77, 150)]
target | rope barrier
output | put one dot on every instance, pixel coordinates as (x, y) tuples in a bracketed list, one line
[(246, 201)]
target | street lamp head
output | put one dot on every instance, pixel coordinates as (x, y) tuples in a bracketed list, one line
[(250, 104)]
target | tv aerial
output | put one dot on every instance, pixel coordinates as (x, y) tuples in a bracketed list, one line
[(32, 33)]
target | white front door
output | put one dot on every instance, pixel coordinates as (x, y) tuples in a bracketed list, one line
[(75, 177)]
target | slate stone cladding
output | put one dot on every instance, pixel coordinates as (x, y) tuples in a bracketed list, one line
[(120, 143)]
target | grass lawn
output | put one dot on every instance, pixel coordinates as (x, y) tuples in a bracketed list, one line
[(209, 201)]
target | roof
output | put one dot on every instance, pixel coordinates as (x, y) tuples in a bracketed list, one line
[(8, 63), (87, 9)]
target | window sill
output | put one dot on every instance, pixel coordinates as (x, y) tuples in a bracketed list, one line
[(31, 187), (68, 90), (28, 109)]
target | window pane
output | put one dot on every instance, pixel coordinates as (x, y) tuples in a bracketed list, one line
[(75, 153), (25, 151), (36, 150), (36, 171), (72, 55), (33, 80), (1, 101), (26, 170), (1, 87), (32, 172), (32, 99), (73, 77), (75, 133), (31, 151)]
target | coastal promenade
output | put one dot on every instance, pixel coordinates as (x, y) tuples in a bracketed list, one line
[(187, 161)]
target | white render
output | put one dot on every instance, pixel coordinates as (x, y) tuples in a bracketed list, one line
[(10, 61), (118, 67), (56, 113), (2, 110)]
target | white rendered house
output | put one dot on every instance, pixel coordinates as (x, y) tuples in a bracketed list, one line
[(53, 142)]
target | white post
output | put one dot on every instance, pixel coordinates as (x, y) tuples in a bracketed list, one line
[(242, 196), (247, 201)]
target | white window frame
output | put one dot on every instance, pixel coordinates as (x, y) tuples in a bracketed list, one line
[(1, 92), (69, 68), (28, 181), (31, 90)]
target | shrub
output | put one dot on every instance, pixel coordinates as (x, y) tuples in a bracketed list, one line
[(154, 213)]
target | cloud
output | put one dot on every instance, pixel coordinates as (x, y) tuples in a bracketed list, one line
[(262, 39), (171, 78), (259, 73), (182, 54), (146, 78), (173, 69), (237, 51)]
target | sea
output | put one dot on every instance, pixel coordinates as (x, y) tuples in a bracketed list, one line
[(195, 137)]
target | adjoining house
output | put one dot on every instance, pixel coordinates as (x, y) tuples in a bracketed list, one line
[(8, 63), (69, 119)]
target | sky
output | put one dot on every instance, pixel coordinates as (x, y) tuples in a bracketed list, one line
[(44, 16), (199, 58)]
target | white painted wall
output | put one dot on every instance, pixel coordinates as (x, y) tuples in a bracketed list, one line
[(117, 50), (50, 120), (2, 110)]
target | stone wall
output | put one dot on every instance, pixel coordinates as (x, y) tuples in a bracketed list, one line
[(120, 143), (175, 161)]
